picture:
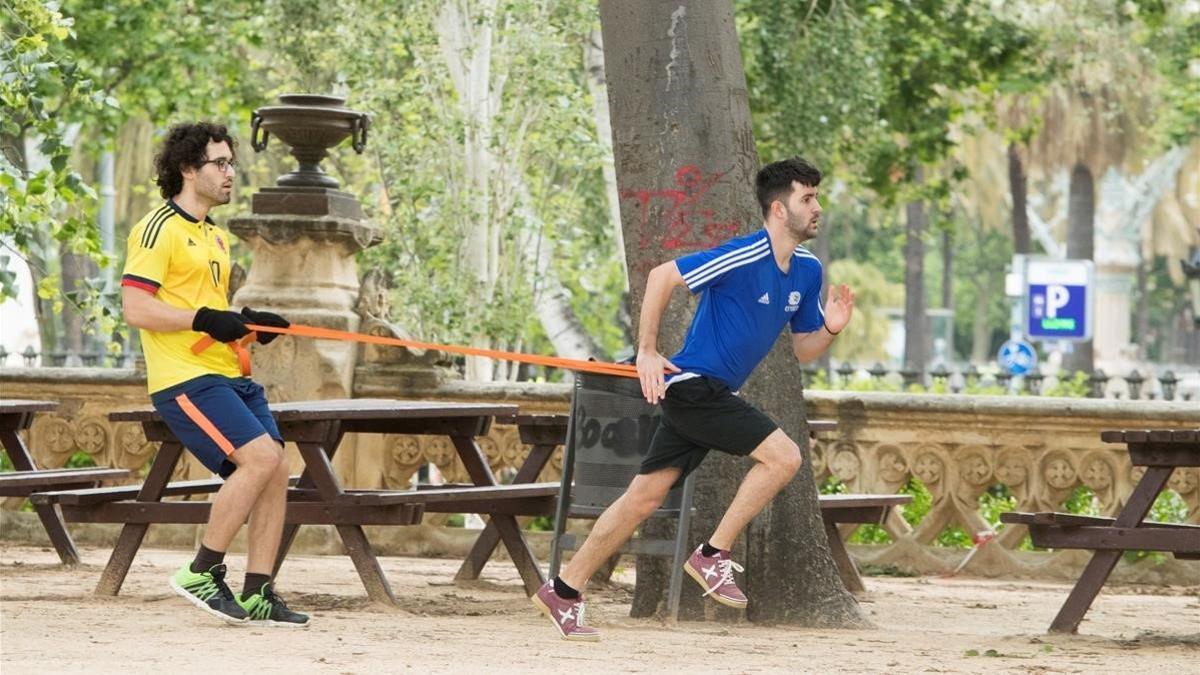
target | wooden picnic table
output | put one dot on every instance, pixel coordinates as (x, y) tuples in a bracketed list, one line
[(317, 428), (1161, 451), (16, 416)]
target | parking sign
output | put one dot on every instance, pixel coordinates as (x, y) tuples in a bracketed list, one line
[(1059, 299)]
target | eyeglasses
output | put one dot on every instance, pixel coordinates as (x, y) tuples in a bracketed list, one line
[(223, 163)]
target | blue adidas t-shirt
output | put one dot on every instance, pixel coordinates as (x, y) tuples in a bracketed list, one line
[(745, 301)]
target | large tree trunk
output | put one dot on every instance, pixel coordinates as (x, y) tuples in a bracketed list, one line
[(916, 327), (1081, 227), (686, 160), (1018, 186)]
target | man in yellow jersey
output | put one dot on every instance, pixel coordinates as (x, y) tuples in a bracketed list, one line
[(175, 288)]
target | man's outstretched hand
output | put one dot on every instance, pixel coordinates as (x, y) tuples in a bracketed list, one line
[(838, 308)]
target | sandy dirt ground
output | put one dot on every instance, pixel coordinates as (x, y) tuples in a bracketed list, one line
[(50, 622)]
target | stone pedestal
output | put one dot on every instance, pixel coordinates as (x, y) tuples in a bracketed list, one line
[(304, 242)]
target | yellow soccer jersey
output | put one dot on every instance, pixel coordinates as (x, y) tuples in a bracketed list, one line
[(184, 263)]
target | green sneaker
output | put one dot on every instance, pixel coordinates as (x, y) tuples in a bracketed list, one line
[(207, 590), (267, 609)]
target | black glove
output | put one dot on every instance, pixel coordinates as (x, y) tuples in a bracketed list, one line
[(265, 319), (223, 326)]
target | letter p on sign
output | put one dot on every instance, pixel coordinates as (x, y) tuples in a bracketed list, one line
[(1056, 298)]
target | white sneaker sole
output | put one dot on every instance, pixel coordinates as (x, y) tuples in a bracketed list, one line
[(267, 623), (200, 603)]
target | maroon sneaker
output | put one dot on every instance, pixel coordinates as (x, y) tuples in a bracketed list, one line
[(567, 615), (715, 574)]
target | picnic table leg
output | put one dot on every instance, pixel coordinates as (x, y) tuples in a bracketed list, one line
[(1101, 565), (316, 458), (841, 557), (52, 520), (485, 545), (306, 481), (509, 532), (132, 533)]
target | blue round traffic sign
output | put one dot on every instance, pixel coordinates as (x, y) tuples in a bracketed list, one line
[(1017, 357)]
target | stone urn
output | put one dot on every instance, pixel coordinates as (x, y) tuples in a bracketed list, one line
[(311, 124), (304, 234)]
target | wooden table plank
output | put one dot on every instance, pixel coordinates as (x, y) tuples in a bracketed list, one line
[(13, 405), (354, 409)]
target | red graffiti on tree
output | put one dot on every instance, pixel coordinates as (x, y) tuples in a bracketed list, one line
[(682, 222)]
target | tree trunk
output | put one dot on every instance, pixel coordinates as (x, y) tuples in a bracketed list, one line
[(466, 41), (551, 301), (947, 269), (916, 330), (1017, 183), (685, 160), (981, 346), (593, 60), (820, 248), (1081, 226)]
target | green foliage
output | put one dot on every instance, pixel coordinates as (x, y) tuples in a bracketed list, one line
[(38, 80), (1075, 386), (873, 88), (80, 459), (863, 339), (1171, 31)]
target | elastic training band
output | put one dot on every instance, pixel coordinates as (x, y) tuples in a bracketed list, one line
[(239, 347)]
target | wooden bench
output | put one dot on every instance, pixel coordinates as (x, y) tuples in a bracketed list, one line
[(853, 508), (100, 495), (25, 483), (1069, 530), (17, 416)]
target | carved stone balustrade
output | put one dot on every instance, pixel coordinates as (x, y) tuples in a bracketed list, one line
[(1041, 449)]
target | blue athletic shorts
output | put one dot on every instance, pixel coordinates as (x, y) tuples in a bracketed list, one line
[(213, 415)]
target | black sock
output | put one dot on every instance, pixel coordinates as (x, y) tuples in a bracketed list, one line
[(708, 550), (206, 558), (563, 590), (254, 583)]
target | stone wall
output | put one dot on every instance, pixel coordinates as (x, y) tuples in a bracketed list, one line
[(1041, 449)]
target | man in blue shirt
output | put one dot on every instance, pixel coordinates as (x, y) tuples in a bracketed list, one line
[(751, 287)]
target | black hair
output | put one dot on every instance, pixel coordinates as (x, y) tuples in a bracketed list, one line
[(186, 146), (774, 181)]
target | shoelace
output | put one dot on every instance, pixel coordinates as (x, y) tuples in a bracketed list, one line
[(268, 594), (727, 567), (218, 577), (579, 615)]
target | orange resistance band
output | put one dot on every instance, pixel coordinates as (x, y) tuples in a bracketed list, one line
[(239, 348)]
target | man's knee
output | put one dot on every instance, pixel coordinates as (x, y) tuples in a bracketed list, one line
[(261, 455), (780, 453), (647, 493)]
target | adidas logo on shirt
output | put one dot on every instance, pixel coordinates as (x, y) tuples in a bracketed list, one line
[(765, 299), (191, 243)]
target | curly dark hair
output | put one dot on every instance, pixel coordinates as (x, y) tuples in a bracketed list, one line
[(186, 146), (774, 181)]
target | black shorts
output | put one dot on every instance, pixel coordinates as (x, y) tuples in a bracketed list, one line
[(701, 414)]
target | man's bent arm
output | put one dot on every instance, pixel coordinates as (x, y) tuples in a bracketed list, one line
[(650, 364), (143, 310), (808, 347), (659, 285)]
